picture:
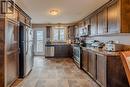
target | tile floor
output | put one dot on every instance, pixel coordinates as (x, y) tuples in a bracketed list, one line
[(54, 72)]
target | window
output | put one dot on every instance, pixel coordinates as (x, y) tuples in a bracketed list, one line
[(59, 35), (39, 41)]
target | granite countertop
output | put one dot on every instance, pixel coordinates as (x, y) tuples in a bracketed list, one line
[(55, 44), (101, 51)]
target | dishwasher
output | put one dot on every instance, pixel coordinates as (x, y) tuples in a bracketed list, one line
[(49, 51)]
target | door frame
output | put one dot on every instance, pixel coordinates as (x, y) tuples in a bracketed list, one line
[(35, 41)]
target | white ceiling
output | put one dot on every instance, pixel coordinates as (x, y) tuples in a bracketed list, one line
[(71, 10)]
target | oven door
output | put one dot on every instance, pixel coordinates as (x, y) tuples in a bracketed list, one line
[(76, 53)]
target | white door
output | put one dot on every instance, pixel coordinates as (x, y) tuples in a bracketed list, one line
[(39, 41)]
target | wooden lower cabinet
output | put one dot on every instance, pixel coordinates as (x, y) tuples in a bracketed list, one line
[(62, 51), (92, 64), (85, 61), (106, 70), (110, 71), (101, 69), (116, 76)]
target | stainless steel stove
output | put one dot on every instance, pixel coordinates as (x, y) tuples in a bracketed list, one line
[(77, 55)]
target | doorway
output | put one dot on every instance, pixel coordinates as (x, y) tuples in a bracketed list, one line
[(39, 42)]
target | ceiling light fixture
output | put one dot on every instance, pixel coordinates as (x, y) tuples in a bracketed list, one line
[(54, 12)]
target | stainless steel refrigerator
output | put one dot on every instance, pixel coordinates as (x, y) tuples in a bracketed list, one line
[(25, 45), (29, 51)]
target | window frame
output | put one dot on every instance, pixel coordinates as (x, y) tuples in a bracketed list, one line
[(59, 37)]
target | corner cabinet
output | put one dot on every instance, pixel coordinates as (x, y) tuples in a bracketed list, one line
[(110, 71), (101, 69), (106, 70)]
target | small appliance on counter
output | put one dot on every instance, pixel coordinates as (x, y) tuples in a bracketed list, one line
[(82, 43), (98, 44), (113, 47), (94, 43), (77, 41), (89, 43)]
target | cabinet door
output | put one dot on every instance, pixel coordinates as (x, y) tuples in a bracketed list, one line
[(92, 64), (48, 32), (70, 51), (57, 51), (28, 21), (102, 22), (13, 16), (101, 69), (72, 34), (87, 25), (77, 33), (113, 19), (11, 42), (94, 28), (65, 48), (22, 18), (61, 51), (85, 60), (116, 73)]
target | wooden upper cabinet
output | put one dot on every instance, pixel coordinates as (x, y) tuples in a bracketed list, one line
[(13, 16), (111, 18), (94, 28), (102, 22), (22, 18), (125, 16), (28, 21), (48, 32), (76, 31), (70, 32), (87, 27), (114, 18)]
